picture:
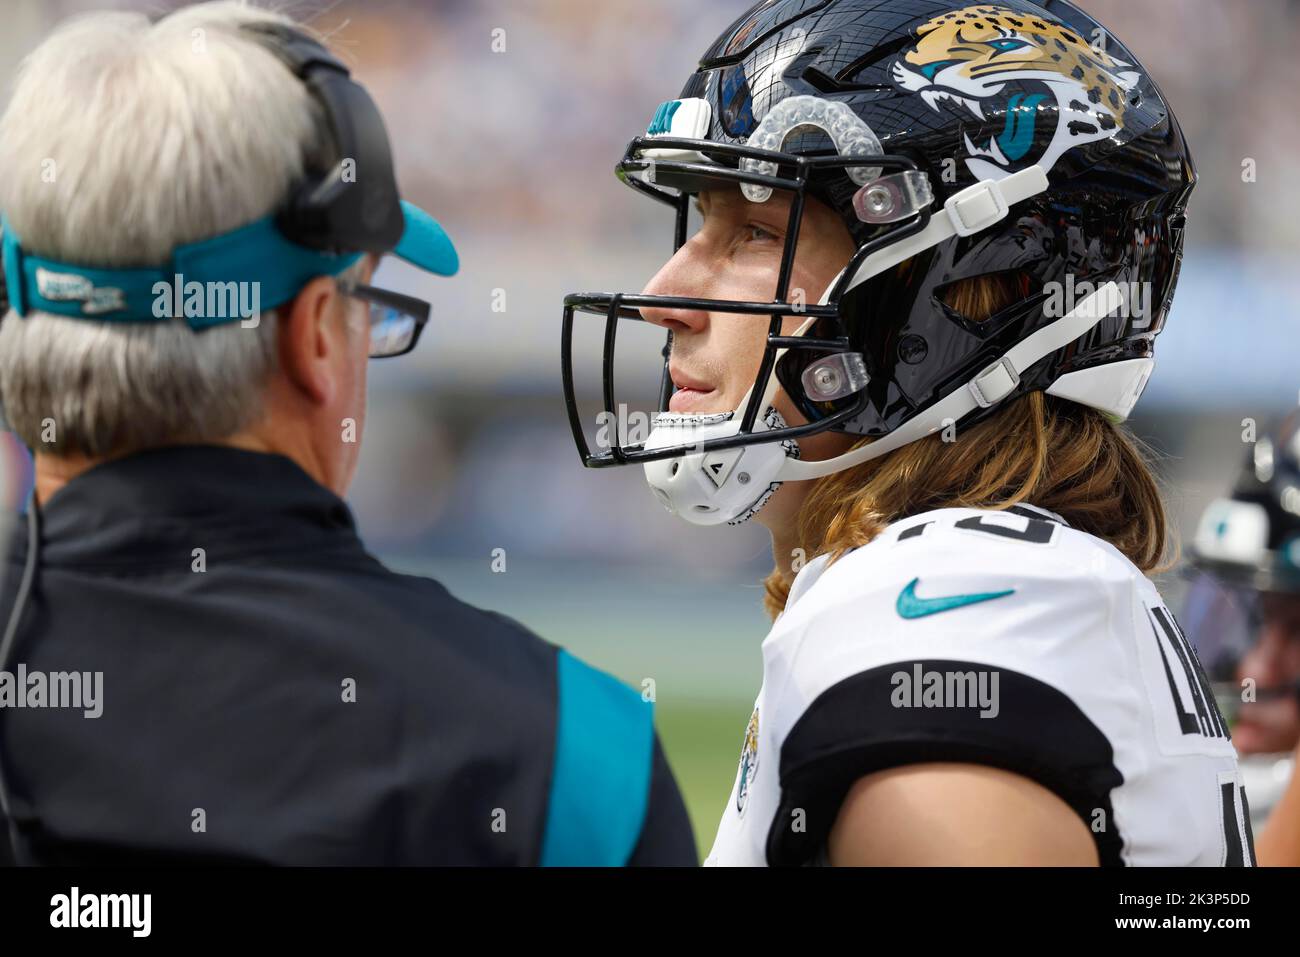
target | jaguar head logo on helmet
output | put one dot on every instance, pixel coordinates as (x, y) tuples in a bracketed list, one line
[(1007, 62)]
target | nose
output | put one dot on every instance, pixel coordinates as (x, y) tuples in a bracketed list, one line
[(681, 276)]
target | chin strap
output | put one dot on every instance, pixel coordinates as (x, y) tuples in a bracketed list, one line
[(997, 381)]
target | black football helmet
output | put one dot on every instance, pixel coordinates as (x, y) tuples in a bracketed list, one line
[(956, 141)]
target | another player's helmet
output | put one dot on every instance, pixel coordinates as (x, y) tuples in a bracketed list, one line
[(1245, 545), (1253, 537), (1006, 139)]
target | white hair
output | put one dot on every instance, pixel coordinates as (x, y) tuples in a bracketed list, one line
[(125, 138)]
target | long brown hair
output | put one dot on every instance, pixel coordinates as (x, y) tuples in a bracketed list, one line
[(1049, 452)]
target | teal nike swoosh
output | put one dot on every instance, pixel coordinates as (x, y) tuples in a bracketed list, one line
[(909, 606)]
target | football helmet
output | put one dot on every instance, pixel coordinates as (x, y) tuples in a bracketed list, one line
[(1246, 545), (955, 141)]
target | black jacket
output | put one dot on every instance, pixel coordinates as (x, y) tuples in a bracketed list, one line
[(271, 693)]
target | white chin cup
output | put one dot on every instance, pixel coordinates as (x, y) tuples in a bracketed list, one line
[(715, 487)]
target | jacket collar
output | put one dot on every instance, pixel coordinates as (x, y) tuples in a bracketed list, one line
[(169, 498)]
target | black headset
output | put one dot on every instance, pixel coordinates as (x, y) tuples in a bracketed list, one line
[(354, 205), (351, 206), (332, 210)]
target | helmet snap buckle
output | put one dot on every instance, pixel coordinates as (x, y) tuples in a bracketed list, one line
[(835, 376), (894, 197), (995, 383), (976, 207)]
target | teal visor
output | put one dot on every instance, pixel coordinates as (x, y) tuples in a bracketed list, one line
[(222, 279)]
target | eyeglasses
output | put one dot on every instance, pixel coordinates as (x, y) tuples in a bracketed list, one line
[(396, 321)]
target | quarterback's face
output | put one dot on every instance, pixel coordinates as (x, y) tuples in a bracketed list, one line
[(1272, 724), (736, 254)]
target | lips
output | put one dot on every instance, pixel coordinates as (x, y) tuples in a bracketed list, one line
[(692, 394)]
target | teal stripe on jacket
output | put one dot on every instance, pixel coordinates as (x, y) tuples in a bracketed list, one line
[(600, 783)]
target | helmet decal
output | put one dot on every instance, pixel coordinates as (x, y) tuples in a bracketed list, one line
[(993, 62)]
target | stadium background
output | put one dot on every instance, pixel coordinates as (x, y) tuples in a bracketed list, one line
[(467, 450)]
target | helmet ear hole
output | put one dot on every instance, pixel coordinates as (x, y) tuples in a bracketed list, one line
[(980, 298)]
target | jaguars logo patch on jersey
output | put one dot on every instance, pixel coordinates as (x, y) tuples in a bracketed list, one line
[(748, 762), (1001, 65)]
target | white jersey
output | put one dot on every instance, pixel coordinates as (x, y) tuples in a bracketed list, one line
[(1003, 638)]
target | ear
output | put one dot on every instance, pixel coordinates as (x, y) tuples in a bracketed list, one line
[(304, 343)]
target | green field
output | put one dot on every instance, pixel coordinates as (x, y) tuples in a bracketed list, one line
[(703, 745)]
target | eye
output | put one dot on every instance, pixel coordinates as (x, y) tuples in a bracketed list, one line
[(1007, 44), (759, 234)]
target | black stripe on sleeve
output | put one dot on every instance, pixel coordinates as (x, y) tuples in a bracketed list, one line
[(854, 729), (1235, 856)]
